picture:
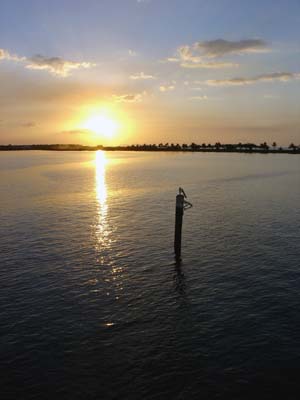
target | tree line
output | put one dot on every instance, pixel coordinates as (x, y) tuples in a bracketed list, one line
[(193, 147)]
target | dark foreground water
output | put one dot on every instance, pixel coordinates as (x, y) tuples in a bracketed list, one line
[(93, 305)]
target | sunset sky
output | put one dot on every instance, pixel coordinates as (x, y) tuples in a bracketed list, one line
[(149, 71)]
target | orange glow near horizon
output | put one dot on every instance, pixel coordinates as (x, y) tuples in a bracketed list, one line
[(103, 123), (99, 123)]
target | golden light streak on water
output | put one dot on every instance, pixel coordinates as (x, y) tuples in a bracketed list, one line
[(102, 230), (101, 191)]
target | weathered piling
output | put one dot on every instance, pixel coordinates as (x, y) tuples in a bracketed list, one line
[(181, 205)]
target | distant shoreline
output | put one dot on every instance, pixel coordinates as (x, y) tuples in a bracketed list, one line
[(216, 148)]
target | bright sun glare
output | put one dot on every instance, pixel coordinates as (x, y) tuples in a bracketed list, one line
[(102, 125)]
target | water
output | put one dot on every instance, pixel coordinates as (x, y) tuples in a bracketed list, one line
[(93, 305)]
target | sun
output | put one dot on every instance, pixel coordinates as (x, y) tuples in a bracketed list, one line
[(102, 125)]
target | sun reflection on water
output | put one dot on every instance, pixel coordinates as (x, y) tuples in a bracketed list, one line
[(102, 231), (101, 191), (104, 234)]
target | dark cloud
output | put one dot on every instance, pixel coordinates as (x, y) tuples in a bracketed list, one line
[(199, 54), (276, 76), (221, 47), (128, 98), (29, 124), (77, 132)]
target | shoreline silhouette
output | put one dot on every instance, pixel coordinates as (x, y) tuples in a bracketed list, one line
[(218, 147)]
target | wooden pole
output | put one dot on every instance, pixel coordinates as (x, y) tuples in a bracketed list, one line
[(178, 224)]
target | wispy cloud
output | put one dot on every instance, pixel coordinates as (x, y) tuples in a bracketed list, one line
[(129, 98), (29, 124), (209, 65), (198, 98), (132, 53), (2, 54), (199, 54), (77, 132), (6, 55), (19, 124), (168, 87), (187, 58), (276, 76), (54, 65), (185, 53), (141, 76)]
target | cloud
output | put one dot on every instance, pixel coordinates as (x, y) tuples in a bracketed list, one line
[(221, 47), (185, 54), (128, 98), (199, 98), (187, 59), (170, 59), (54, 65), (141, 76), (167, 88), (199, 54), (132, 53), (26, 124), (3, 54), (210, 65), (29, 124), (276, 76), (6, 55), (77, 132)]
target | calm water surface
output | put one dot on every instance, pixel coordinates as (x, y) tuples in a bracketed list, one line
[(93, 305)]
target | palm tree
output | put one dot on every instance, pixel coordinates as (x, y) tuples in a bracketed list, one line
[(292, 146)]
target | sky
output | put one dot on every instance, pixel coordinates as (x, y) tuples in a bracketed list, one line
[(149, 71)]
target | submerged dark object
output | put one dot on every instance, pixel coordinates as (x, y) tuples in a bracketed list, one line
[(181, 205)]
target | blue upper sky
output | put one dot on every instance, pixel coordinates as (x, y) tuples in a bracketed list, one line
[(226, 68), (155, 26)]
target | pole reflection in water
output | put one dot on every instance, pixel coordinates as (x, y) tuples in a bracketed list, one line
[(179, 278), (104, 232)]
